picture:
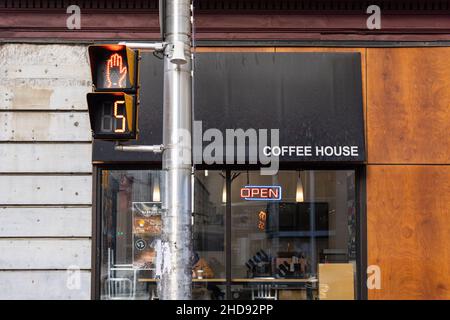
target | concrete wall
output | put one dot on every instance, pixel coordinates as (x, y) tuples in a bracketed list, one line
[(45, 172)]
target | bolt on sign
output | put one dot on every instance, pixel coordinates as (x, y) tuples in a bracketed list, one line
[(261, 193), (113, 106)]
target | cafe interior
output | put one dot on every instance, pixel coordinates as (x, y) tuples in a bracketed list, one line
[(301, 245)]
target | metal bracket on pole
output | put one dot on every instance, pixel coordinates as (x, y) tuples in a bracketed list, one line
[(159, 148), (157, 46)]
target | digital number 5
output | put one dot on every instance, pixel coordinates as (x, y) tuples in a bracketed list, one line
[(119, 116)]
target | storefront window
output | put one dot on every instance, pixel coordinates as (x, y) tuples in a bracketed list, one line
[(281, 242), (130, 234), (288, 236), (208, 270), (130, 230)]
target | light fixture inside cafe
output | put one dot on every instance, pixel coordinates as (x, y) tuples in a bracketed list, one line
[(224, 191), (299, 194), (156, 191)]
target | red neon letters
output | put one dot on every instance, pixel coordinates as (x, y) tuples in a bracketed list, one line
[(261, 192)]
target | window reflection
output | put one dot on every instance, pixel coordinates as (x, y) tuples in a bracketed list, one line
[(278, 246), (131, 228), (296, 247), (209, 236)]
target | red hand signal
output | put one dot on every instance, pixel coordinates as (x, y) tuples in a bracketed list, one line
[(115, 62)]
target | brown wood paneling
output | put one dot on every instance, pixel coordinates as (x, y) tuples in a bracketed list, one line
[(409, 230), (408, 105)]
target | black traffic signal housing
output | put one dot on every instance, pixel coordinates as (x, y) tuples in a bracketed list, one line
[(113, 115), (113, 106)]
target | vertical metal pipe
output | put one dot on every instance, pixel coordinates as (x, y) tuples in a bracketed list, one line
[(176, 271), (312, 220)]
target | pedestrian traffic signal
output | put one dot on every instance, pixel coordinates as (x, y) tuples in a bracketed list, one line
[(113, 67), (113, 115), (113, 104)]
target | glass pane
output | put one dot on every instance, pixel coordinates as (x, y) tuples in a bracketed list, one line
[(279, 246), (130, 238), (131, 226), (207, 290), (295, 247), (208, 229)]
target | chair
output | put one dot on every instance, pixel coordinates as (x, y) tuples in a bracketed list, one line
[(265, 292), (154, 295), (119, 288)]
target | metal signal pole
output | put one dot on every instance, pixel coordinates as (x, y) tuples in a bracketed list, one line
[(176, 271)]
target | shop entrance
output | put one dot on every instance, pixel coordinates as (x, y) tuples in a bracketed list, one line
[(302, 245)]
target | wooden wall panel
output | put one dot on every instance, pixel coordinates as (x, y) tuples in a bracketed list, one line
[(409, 230), (408, 105)]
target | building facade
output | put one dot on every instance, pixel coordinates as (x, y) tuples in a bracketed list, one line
[(71, 208)]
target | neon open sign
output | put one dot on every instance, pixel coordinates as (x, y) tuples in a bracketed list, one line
[(261, 193)]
